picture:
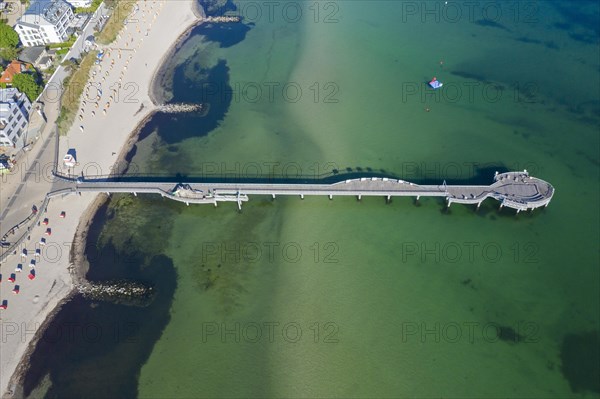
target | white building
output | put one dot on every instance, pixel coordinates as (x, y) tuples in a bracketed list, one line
[(44, 22), (14, 117), (80, 3)]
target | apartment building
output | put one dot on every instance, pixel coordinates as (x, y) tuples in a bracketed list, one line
[(14, 117), (44, 22)]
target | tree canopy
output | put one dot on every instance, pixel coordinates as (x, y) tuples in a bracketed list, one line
[(26, 83), (8, 36), (9, 53)]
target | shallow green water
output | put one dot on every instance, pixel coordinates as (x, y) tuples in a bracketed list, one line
[(320, 298), (535, 274)]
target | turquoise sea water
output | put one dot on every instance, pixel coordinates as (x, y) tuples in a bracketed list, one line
[(320, 298)]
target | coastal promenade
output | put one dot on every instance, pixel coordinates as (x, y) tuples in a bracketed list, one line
[(515, 190)]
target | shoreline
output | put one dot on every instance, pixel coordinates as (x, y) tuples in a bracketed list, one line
[(78, 264), (156, 82), (79, 268)]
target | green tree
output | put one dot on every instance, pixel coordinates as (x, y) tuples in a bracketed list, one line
[(27, 84), (9, 53), (8, 36)]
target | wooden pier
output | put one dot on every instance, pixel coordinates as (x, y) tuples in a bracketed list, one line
[(515, 190)]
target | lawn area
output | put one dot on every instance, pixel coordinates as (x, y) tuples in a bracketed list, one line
[(73, 89), (121, 11), (66, 45)]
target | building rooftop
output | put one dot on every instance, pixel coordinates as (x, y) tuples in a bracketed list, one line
[(31, 54), (8, 96), (48, 10), (45, 60), (14, 68)]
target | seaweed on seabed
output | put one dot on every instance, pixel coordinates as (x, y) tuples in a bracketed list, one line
[(580, 356)]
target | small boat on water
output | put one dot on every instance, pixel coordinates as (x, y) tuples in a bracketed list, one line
[(435, 84)]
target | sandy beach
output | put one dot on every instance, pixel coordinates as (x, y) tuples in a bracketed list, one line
[(103, 130)]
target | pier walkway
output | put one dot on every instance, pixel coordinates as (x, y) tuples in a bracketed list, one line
[(515, 190)]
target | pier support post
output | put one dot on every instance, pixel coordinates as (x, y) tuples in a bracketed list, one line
[(359, 196), (215, 203), (134, 194), (273, 196), (187, 203), (518, 210), (478, 205), (418, 196), (330, 196), (388, 199), (301, 196)]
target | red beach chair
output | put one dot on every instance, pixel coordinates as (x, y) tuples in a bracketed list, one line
[(63, 214), (48, 231)]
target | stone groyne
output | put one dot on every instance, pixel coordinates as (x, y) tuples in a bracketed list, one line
[(179, 108), (120, 292), (226, 19)]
